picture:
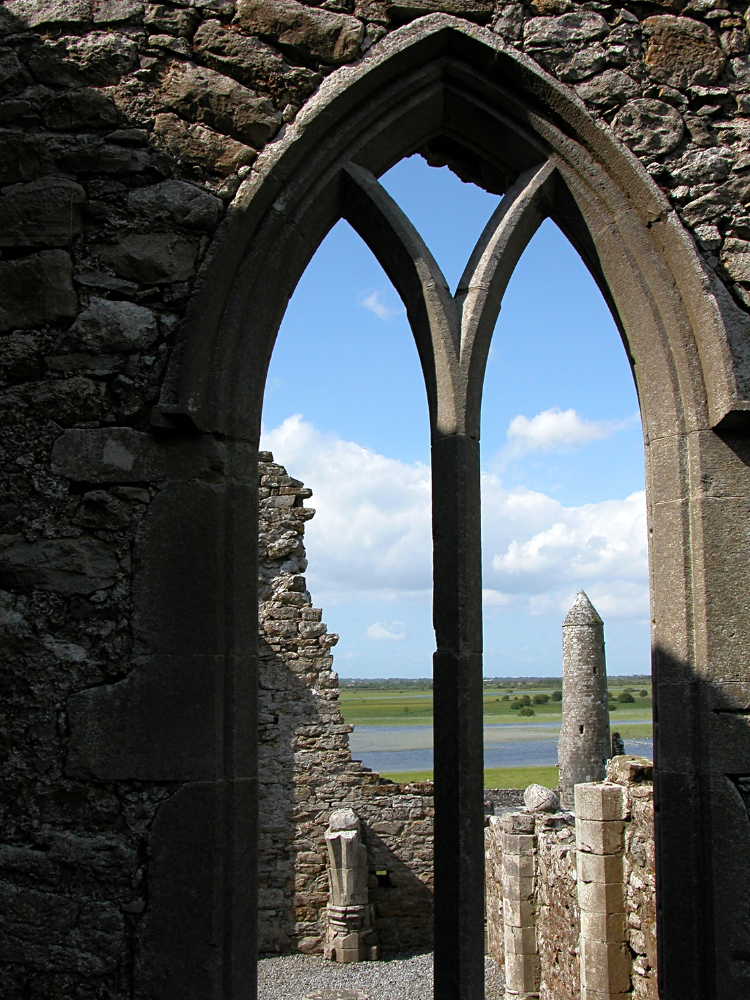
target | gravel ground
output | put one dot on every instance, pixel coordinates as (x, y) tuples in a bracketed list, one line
[(402, 977)]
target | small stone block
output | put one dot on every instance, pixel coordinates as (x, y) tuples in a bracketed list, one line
[(519, 940), (519, 822), (602, 926), (522, 973), (599, 837), (600, 801), (518, 843), (601, 897), (517, 887), (518, 912), (599, 867), (630, 770), (519, 864), (605, 966)]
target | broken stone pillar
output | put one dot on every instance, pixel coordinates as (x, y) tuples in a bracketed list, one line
[(522, 965), (601, 811), (350, 935), (584, 746)]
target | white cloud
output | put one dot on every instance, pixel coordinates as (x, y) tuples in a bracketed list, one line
[(375, 304), (380, 632), (552, 429), (372, 533)]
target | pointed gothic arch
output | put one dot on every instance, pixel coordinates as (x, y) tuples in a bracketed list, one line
[(458, 94)]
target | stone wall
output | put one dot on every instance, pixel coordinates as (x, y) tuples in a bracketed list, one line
[(305, 764), (555, 900), (126, 130)]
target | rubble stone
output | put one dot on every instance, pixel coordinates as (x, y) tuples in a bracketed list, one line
[(176, 203), (574, 28), (203, 95), (302, 30), (537, 798), (45, 212), (252, 62), (649, 126), (198, 145), (151, 259), (36, 290), (64, 566), (114, 326), (681, 51)]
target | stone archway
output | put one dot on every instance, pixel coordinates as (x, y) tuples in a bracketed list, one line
[(459, 95), (172, 728)]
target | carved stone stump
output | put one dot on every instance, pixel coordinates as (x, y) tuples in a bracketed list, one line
[(350, 935)]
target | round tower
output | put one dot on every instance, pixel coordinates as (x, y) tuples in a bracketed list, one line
[(584, 737)]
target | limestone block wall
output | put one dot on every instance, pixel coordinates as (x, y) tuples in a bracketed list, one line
[(567, 883), (126, 131), (305, 765)]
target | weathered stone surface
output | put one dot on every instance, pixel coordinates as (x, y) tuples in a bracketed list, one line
[(407, 10), (610, 87), (537, 798), (203, 95), (306, 31), (106, 326), (735, 256), (67, 402), (19, 157), (44, 212), (252, 62), (574, 28), (182, 22), (64, 565), (681, 51), (702, 166), (36, 290), (115, 11), (20, 358), (77, 109), (36, 13), (201, 146), (630, 770), (151, 259), (97, 59), (60, 933), (649, 126), (176, 203), (584, 745), (122, 454)]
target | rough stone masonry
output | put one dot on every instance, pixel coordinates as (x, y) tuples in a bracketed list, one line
[(126, 131)]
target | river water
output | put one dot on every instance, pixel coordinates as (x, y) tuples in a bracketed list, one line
[(409, 748)]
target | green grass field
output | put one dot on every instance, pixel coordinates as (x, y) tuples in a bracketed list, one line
[(393, 706), (494, 777)]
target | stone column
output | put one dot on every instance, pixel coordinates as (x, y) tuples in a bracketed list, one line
[(522, 966), (584, 746), (349, 934), (601, 810)]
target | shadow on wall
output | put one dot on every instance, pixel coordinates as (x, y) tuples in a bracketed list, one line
[(305, 772), (304, 762)]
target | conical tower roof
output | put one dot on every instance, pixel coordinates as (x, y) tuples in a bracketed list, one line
[(582, 612)]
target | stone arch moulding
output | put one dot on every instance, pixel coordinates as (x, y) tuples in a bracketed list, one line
[(456, 93)]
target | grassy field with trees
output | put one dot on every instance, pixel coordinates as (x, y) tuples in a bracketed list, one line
[(399, 702)]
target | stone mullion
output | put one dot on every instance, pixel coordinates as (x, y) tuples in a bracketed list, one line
[(457, 697)]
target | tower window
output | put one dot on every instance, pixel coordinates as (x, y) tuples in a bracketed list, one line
[(580, 729)]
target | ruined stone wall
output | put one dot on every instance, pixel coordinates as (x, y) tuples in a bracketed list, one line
[(126, 129), (305, 764), (554, 907)]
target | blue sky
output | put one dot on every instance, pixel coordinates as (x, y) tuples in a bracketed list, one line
[(562, 451)]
